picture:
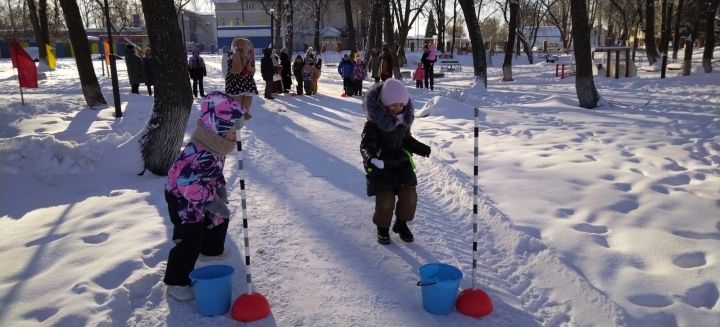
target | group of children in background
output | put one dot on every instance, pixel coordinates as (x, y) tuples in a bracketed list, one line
[(353, 71), (307, 72)]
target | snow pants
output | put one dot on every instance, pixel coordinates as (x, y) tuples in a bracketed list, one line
[(385, 204), (190, 241)]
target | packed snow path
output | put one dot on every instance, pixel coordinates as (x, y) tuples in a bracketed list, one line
[(301, 238)]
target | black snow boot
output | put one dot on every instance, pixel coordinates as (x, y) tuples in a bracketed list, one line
[(383, 235), (402, 228)]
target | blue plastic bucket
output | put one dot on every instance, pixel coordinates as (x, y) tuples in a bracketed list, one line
[(440, 283), (213, 287)]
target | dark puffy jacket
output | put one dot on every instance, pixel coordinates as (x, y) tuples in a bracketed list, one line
[(427, 63), (267, 66), (392, 144), (196, 66), (135, 69), (345, 68)]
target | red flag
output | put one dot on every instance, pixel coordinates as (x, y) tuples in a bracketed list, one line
[(27, 72)]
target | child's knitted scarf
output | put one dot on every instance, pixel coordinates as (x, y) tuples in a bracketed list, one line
[(217, 145)]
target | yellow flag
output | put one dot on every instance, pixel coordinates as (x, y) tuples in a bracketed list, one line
[(50, 56)]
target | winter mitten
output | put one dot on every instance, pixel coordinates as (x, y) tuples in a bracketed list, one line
[(424, 150), (221, 192), (377, 163)]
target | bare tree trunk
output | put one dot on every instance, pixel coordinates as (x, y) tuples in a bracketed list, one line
[(79, 41), (379, 26), (476, 39), (439, 6), (527, 48), (454, 27), (390, 39), (692, 26), (35, 20), (676, 36), (665, 35), (512, 28), (650, 47), (163, 135), (709, 36), (290, 38), (626, 26), (375, 21), (584, 84), (44, 29), (350, 25), (317, 26)]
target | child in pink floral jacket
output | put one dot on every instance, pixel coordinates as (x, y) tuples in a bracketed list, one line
[(195, 191)]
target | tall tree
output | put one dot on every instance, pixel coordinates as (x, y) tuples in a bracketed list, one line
[(374, 37), (584, 84), (290, 36), (454, 27), (389, 37), (405, 16), (352, 43), (83, 60), (512, 27), (431, 27), (317, 6), (38, 17), (439, 6), (623, 18), (650, 46), (476, 39), (693, 10), (709, 35), (164, 132), (676, 32), (559, 15)]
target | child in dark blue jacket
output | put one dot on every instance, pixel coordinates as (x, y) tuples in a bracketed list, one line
[(345, 69)]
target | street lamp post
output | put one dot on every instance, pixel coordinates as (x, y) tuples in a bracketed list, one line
[(272, 27)]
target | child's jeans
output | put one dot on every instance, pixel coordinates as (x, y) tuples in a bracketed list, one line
[(418, 84)]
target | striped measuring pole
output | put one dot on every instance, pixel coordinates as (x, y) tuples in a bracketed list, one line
[(476, 150), (243, 206)]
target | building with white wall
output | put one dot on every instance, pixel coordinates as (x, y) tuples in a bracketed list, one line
[(250, 19)]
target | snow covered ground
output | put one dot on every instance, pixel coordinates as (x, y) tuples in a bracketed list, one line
[(604, 217)]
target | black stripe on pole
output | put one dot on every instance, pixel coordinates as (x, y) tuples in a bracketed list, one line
[(247, 260), (239, 145), (245, 224), (242, 184), (248, 279), (475, 209), (474, 246)]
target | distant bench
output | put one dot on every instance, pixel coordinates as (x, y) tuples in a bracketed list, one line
[(449, 65)]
